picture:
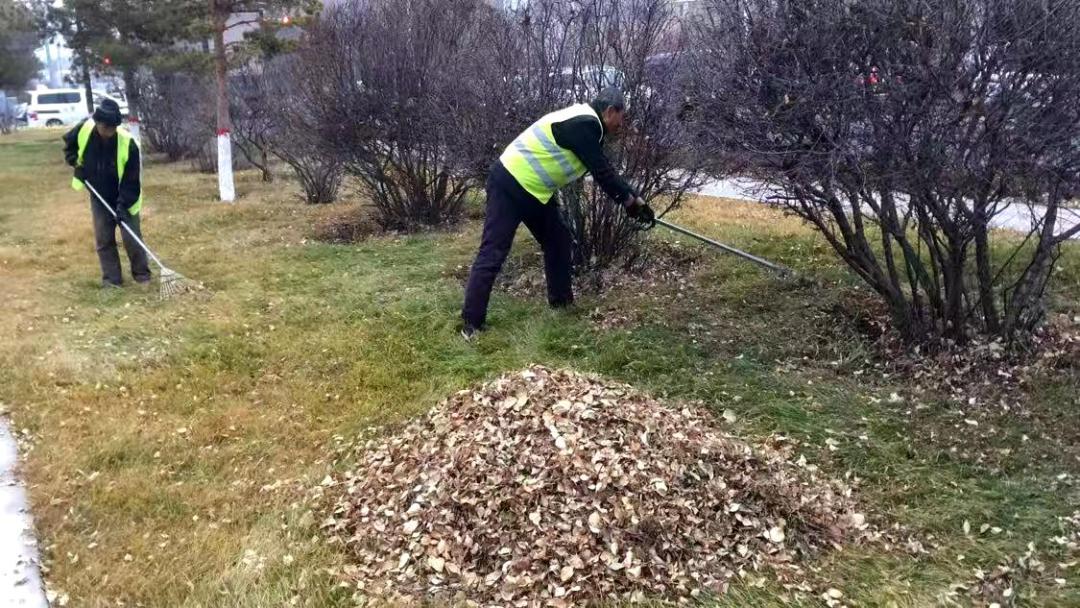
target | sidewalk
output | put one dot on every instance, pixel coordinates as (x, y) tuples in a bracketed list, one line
[(20, 580), (1016, 217)]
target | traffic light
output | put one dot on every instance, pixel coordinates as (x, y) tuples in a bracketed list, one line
[(107, 60)]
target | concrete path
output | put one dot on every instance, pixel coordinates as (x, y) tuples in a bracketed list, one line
[(1014, 217), (20, 579)]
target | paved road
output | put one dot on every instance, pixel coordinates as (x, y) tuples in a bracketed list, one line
[(20, 580), (1014, 217)]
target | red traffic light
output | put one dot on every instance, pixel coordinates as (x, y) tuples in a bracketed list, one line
[(107, 60)]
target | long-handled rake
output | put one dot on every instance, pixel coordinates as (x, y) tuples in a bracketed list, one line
[(784, 272), (781, 270), (172, 283)]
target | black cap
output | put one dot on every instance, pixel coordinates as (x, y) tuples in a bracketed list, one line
[(108, 113)]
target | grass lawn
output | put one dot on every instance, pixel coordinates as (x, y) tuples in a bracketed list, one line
[(170, 448)]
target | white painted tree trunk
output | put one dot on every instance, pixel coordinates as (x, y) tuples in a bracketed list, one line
[(224, 167), (133, 128), (219, 16)]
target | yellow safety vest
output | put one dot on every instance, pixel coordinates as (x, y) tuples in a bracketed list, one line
[(123, 146), (539, 164)]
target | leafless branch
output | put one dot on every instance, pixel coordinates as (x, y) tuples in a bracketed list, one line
[(903, 131)]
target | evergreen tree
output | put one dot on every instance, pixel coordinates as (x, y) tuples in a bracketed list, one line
[(19, 36)]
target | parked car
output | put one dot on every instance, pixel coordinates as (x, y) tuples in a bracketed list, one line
[(587, 81), (59, 107)]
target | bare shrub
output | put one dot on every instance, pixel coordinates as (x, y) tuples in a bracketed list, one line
[(272, 118), (253, 117), (899, 129), (294, 132), (176, 119), (385, 91), (320, 177)]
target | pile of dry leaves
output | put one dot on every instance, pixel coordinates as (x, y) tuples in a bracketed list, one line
[(554, 488)]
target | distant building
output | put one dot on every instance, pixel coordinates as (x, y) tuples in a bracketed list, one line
[(240, 24), (243, 23), (690, 9)]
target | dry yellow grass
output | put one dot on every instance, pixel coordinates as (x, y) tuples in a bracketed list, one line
[(170, 446), (152, 475)]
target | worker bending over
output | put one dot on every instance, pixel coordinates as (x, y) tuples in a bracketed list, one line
[(556, 150)]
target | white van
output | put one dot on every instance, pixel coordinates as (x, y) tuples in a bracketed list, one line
[(60, 107)]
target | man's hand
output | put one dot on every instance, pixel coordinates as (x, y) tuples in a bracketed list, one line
[(80, 173), (122, 214), (641, 212)]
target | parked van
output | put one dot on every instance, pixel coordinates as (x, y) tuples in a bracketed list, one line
[(59, 107)]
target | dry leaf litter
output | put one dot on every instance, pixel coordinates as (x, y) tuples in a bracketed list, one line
[(551, 488), (664, 264)]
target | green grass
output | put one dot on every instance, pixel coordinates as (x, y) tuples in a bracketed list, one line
[(189, 434)]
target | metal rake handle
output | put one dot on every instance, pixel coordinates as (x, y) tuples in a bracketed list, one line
[(783, 271), (126, 227)]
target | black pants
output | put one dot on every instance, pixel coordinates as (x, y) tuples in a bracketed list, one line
[(508, 205), (105, 227)]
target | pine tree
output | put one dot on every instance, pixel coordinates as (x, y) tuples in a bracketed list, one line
[(19, 37)]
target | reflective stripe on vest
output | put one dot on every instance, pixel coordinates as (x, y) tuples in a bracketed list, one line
[(123, 148), (538, 163)]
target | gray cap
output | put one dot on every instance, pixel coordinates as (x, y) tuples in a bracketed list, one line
[(610, 97)]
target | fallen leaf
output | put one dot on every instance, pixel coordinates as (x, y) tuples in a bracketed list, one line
[(776, 534), (594, 522)]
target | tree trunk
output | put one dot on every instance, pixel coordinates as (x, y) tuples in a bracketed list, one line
[(134, 100), (219, 16), (1026, 305), (953, 269), (132, 92), (87, 85), (267, 176), (84, 56), (986, 280)]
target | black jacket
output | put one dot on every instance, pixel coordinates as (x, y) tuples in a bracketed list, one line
[(584, 136), (99, 167)]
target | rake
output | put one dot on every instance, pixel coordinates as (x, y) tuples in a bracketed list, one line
[(784, 272), (172, 283)]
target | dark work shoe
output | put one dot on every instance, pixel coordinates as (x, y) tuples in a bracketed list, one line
[(469, 333)]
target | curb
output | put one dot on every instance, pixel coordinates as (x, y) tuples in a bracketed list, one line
[(20, 578)]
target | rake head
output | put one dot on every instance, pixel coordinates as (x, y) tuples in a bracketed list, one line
[(173, 283)]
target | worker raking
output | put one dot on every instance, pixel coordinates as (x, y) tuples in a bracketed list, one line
[(108, 162), (556, 150)]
